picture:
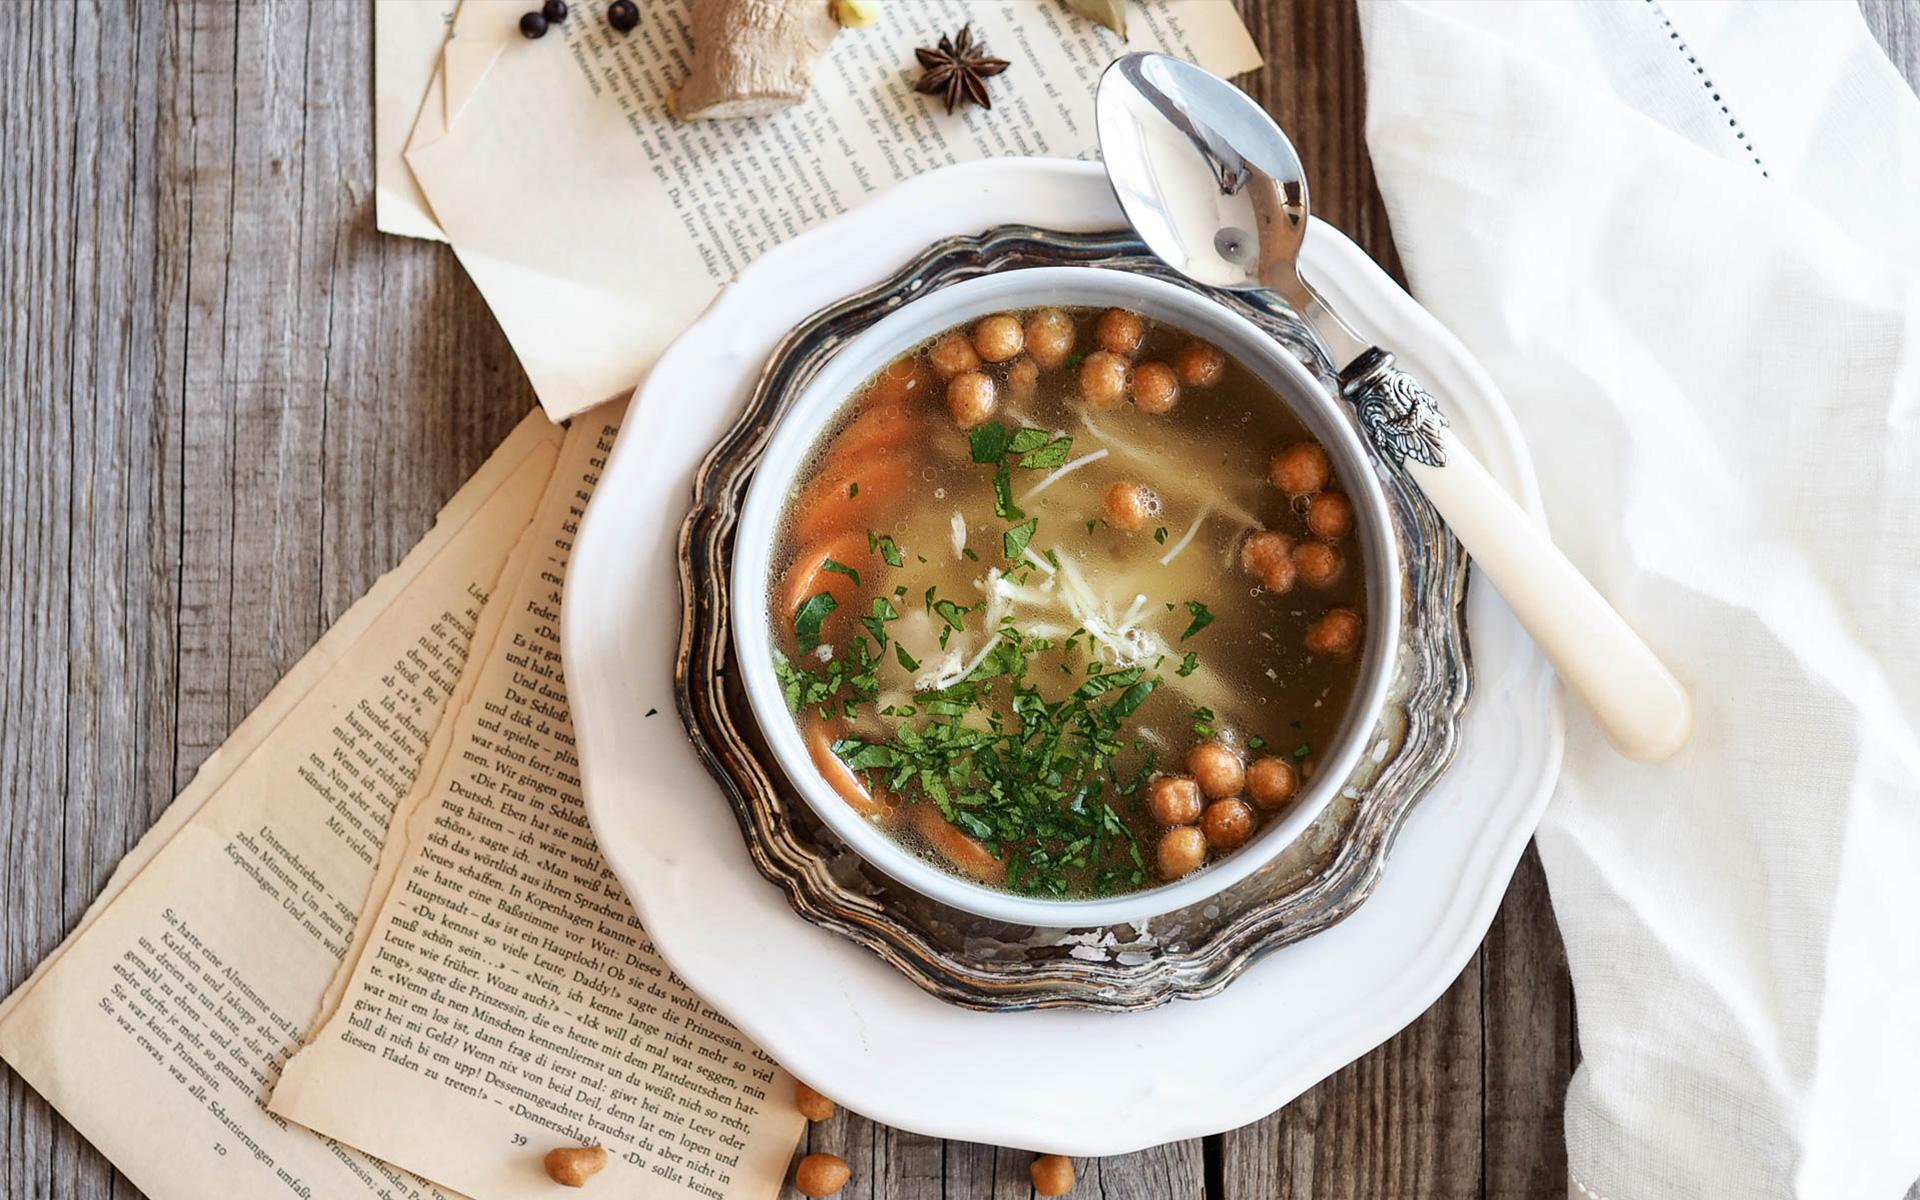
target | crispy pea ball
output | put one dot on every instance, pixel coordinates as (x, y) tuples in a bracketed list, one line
[(1216, 769), (1268, 556), (1227, 823), (572, 1166), (821, 1175), (1200, 364), (1052, 1175), (1301, 469), (970, 398), (1181, 851), (1023, 379), (812, 1105), (1119, 331), (1155, 388), (953, 354), (1130, 506), (1174, 800), (1317, 564), (1103, 379), (1050, 337), (1330, 515), (998, 338), (1271, 781), (1335, 635)]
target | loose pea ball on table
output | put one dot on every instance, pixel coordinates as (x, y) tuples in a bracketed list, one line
[(970, 398), (1301, 469), (1155, 389), (1181, 851), (572, 1166), (1174, 800), (1052, 1175), (998, 338), (821, 1175), (1103, 379), (1050, 337), (812, 1105), (1119, 331), (1216, 769)]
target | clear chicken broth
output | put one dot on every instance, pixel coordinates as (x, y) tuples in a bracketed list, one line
[(1068, 602)]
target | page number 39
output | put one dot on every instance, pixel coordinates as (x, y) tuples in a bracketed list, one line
[(519, 1139)]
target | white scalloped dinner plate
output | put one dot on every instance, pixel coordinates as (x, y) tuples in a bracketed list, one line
[(1063, 1081)]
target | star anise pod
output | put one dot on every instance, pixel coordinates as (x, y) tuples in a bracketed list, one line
[(958, 69)]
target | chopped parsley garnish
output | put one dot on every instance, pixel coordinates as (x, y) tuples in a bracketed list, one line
[(1188, 665), (906, 660), (1028, 439), (1256, 742), (843, 569), (1302, 750), (1090, 525), (1015, 540), (848, 680), (1049, 456), (967, 553), (888, 550), (989, 443), (806, 622), (1003, 505), (876, 623), (853, 489), (1160, 535), (1201, 618), (951, 613), (1073, 360), (1033, 779), (1202, 719)]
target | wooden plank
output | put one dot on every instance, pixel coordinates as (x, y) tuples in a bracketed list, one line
[(1527, 1018), (1896, 26), (1403, 1121)]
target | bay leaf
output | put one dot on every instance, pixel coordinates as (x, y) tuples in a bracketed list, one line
[(1111, 13)]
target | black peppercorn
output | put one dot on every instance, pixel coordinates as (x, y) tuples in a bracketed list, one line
[(623, 15), (555, 11), (533, 25)]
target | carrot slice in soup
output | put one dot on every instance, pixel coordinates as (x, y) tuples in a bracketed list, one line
[(819, 738), (875, 433), (904, 379), (849, 498), (963, 851), (808, 576)]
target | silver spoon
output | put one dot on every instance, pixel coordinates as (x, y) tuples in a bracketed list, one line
[(1215, 190)]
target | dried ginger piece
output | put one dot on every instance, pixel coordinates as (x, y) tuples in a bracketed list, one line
[(752, 57)]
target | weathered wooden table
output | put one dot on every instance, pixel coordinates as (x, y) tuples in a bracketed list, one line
[(229, 404)]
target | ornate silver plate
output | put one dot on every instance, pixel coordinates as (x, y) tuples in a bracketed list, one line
[(1318, 880)]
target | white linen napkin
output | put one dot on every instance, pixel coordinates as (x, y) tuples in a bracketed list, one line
[(1685, 241)]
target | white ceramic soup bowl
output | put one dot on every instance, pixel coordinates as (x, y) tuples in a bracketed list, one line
[(773, 487)]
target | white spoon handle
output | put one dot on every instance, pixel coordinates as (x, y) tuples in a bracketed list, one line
[(1636, 701)]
